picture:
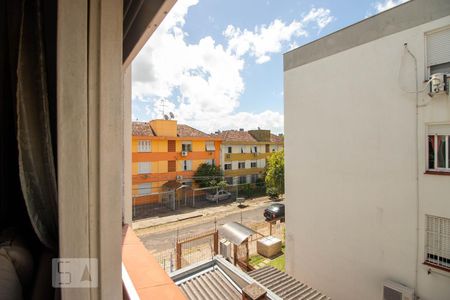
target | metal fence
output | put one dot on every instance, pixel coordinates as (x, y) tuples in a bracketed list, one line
[(191, 248), (164, 203)]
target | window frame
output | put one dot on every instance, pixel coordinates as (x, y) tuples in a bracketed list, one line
[(149, 188), (147, 147), (229, 150), (427, 67), (186, 146), (140, 172), (255, 163), (436, 167), (439, 240), (239, 164), (187, 165), (228, 164), (210, 146)]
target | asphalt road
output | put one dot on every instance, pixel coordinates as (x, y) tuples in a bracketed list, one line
[(158, 242)]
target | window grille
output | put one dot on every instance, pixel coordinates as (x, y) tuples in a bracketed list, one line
[(437, 246)]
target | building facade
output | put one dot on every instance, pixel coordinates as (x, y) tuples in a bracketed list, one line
[(166, 154), (244, 153), (367, 156)]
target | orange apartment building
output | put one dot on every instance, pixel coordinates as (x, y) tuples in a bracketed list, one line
[(165, 155)]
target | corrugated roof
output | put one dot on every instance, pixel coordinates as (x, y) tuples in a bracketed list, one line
[(142, 129), (235, 232), (210, 285), (284, 285), (236, 136), (187, 131)]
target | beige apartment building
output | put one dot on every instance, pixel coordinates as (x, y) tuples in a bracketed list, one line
[(367, 157)]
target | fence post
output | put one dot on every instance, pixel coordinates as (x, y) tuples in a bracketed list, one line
[(178, 256), (216, 242), (270, 228)]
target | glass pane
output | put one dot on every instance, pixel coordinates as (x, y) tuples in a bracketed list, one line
[(441, 155), (431, 152)]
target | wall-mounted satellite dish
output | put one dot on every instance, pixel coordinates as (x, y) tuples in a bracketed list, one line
[(172, 116), (166, 117)]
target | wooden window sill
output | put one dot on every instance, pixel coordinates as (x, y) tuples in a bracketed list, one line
[(442, 173)]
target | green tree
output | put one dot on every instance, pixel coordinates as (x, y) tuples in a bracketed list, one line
[(275, 172), (208, 175)]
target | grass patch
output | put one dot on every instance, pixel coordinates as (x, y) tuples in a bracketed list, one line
[(279, 262)]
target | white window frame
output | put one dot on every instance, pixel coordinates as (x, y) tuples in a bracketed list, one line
[(210, 147), (144, 167), (229, 149), (427, 65), (438, 132), (186, 165), (144, 146), (239, 164), (225, 166), (242, 149), (188, 146), (145, 189), (253, 163), (437, 242)]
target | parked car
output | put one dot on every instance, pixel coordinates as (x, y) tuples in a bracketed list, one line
[(274, 211), (218, 196)]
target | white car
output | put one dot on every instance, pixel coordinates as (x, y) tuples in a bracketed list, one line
[(218, 196)]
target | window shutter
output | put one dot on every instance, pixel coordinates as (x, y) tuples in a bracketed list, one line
[(440, 129), (438, 47)]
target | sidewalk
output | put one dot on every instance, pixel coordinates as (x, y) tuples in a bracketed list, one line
[(215, 211)]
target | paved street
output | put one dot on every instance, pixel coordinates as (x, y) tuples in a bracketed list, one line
[(160, 241)]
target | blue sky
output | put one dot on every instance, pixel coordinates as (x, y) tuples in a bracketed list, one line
[(218, 64)]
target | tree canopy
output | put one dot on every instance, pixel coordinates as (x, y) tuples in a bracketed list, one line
[(208, 175), (275, 172)]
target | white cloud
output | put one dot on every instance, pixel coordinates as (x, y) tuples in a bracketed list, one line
[(387, 4), (201, 83), (266, 40)]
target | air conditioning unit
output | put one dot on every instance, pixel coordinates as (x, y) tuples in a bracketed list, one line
[(438, 84), (225, 248), (184, 153), (179, 177), (395, 291)]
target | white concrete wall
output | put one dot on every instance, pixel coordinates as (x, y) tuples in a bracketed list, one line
[(351, 186)]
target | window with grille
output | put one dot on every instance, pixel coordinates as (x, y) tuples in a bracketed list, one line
[(437, 246), (145, 189), (439, 148), (210, 146), (241, 165), (144, 167), (144, 146), (438, 51)]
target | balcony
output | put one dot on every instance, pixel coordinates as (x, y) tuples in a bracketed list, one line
[(241, 172), (245, 156)]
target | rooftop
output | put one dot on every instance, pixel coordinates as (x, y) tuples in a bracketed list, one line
[(188, 131), (219, 279), (236, 136), (142, 129)]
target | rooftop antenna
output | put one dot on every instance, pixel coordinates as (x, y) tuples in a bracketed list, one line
[(163, 103)]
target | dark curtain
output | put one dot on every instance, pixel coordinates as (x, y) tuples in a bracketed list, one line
[(28, 117), (36, 160)]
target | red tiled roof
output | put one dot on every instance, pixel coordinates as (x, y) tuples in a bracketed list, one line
[(236, 136), (276, 138), (142, 129), (188, 131)]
